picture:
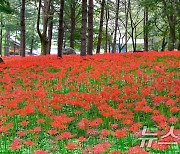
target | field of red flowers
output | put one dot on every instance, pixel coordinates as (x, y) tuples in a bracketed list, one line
[(110, 103)]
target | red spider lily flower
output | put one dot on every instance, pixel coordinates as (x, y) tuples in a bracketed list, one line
[(136, 150), (16, 144), (71, 146), (101, 147), (135, 127), (159, 118), (41, 152), (83, 124), (105, 132), (114, 126), (29, 142), (58, 125), (21, 133), (3, 129), (95, 122), (120, 133), (63, 118), (35, 130), (128, 122), (52, 132), (174, 109), (66, 135), (173, 120), (24, 123), (161, 147), (115, 152), (81, 139), (147, 109), (6, 128), (92, 132), (170, 102), (40, 121), (78, 112)]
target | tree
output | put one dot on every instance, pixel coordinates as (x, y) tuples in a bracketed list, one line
[(100, 27), (1, 34), (83, 28), (107, 24), (61, 29), (135, 21), (43, 36), (116, 26), (145, 28), (50, 27), (7, 38), (90, 27), (171, 14), (23, 37), (73, 21)]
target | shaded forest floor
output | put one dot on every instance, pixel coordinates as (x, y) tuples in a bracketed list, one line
[(97, 104)]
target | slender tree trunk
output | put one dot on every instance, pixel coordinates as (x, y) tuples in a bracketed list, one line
[(15, 44), (116, 26), (84, 26), (73, 21), (61, 29), (32, 45), (164, 43), (90, 28), (6, 47), (126, 24), (135, 38), (64, 41), (23, 36), (146, 29), (132, 27), (1, 36), (100, 27), (50, 28), (107, 24)]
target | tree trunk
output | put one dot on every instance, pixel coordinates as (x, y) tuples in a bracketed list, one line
[(116, 26), (50, 28), (61, 29), (43, 35), (171, 16), (164, 43), (84, 26), (6, 47), (64, 41), (146, 29), (32, 45), (126, 24), (100, 27), (1, 36), (73, 25), (107, 24), (90, 28), (15, 44), (23, 37), (132, 27)]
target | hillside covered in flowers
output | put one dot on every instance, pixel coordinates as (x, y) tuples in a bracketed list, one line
[(94, 104)]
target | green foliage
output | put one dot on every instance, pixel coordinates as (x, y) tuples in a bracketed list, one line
[(5, 7)]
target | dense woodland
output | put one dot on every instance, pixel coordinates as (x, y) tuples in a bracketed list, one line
[(89, 25)]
